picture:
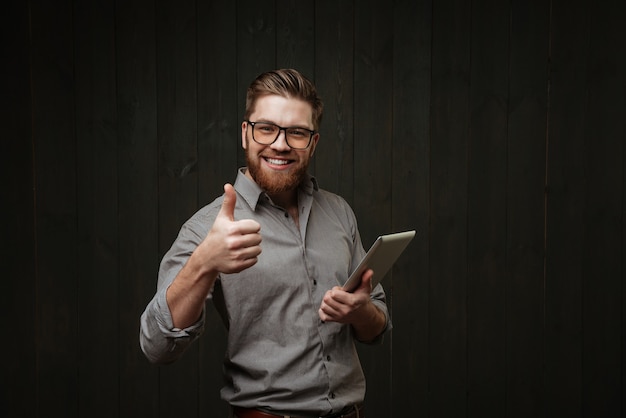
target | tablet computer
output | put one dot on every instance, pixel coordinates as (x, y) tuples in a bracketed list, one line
[(381, 256)]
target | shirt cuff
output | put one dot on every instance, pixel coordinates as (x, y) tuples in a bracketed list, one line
[(166, 324), (388, 326)]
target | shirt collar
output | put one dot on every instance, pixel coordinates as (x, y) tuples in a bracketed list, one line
[(252, 193)]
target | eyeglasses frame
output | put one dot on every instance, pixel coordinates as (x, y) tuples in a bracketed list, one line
[(280, 128)]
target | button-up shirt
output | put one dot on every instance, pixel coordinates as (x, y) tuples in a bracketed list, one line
[(280, 356)]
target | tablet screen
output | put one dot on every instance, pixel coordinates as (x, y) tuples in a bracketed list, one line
[(381, 256)]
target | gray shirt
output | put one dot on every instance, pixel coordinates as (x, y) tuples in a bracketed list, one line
[(280, 356)]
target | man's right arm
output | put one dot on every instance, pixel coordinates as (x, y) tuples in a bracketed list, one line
[(174, 315)]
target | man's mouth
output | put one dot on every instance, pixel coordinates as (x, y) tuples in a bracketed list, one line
[(276, 161)]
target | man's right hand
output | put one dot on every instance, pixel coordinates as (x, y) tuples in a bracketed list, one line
[(231, 246)]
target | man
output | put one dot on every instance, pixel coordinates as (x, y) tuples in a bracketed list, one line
[(272, 253)]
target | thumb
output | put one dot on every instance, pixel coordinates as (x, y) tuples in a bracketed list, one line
[(228, 205), (366, 280)]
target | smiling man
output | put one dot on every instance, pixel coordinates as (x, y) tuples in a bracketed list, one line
[(271, 254), (278, 163)]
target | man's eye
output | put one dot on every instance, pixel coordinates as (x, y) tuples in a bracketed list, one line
[(297, 132)]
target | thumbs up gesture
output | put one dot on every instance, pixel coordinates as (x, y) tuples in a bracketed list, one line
[(231, 246)]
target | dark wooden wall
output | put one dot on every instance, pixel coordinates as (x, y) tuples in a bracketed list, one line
[(495, 128)]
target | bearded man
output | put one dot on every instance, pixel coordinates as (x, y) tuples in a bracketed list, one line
[(271, 254)]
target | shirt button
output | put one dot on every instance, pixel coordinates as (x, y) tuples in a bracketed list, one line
[(331, 395), (314, 282), (327, 358)]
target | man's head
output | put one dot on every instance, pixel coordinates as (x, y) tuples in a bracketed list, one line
[(287, 83), (278, 158)]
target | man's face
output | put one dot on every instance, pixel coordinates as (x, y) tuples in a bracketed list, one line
[(278, 168)]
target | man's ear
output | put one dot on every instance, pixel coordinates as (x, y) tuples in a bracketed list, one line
[(244, 129), (314, 140)]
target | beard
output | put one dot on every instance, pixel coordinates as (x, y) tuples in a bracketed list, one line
[(276, 182)]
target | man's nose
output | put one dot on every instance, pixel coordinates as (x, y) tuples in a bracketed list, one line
[(281, 141)]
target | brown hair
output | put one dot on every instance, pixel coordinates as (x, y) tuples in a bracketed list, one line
[(287, 83)]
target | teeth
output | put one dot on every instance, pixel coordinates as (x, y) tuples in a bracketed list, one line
[(277, 162)]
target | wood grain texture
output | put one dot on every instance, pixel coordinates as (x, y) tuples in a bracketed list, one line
[(55, 161), (448, 255), (97, 206), (495, 130), (526, 154), (566, 182), (408, 284), (487, 209), (19, 295), (138, 208), (373, 40)]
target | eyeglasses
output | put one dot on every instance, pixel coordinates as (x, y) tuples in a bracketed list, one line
[(266, 133)]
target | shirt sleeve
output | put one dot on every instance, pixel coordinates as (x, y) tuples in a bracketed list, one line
[(160, 341)]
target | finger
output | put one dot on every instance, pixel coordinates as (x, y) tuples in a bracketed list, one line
[(228, 205), (248, 226), (327, 312), (241, 237), (333, 300)]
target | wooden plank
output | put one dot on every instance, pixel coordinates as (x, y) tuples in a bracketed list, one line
[(373, 39), (602, 261), (219, 139), (526, 178), (623, 292), (178, 170), (565, 205), (410, 206), (96, 168), (448, 208), (219, 123), (373, 118), (256, 48), (295, 35), (55, 157), (295, 39), (334, 79), (138, 198), (487, 209), (18, 229)]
